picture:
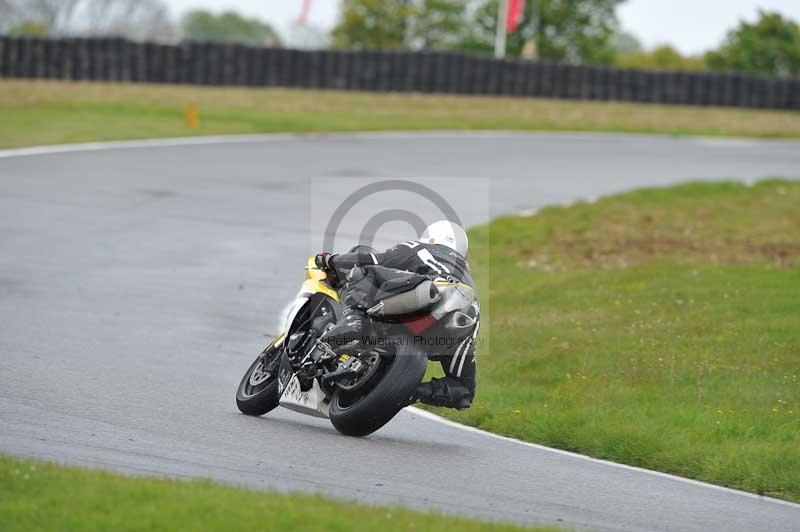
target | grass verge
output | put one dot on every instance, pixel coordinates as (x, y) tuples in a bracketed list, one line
[(38, 496), (45, 112), (658, 328)]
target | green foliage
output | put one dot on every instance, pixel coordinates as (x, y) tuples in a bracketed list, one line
[(373, 24), (41, 496), (480, 33), (769, 46), (229, 26), (426, 24), (662, 57), (579, 31), (29, 29), (656, 328), (439, 24)]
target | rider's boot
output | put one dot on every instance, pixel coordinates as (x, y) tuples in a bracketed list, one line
[(447, 392), (348, 335)]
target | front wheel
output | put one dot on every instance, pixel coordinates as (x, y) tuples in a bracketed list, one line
[(258, 391), (364, 410)]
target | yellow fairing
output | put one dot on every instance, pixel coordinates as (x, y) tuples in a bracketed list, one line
[(316, 281), (312, 272)]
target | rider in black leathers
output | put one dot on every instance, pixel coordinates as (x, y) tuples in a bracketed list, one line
[(429, 257)]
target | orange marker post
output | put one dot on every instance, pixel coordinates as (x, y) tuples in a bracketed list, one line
[(193, 116)]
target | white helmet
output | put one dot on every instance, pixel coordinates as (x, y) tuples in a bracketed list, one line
[(448, 234)]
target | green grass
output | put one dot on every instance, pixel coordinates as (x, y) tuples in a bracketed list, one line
[(36, 113), (36, 496), (658, 328)]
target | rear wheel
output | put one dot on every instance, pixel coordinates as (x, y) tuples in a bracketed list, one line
[(258, 391), (365, 409)]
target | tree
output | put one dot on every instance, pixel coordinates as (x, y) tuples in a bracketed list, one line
[(770, 46), (136, 19), (578, 31), (438, 24), (480, 32), (415, 24), (229, 26), (374, 24)]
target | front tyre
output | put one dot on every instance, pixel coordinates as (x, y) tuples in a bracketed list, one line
[(365, 410), (258, 391)]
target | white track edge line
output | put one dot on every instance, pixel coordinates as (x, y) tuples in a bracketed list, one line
[(433, 417), (376, 135), (242, 139)]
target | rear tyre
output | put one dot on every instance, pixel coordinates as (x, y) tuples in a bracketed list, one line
[(258, 391), (365, 410)]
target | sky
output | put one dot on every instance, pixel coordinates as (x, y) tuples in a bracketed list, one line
[(692, 26)]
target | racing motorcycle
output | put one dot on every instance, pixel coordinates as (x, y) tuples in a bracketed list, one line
[(415, 318)]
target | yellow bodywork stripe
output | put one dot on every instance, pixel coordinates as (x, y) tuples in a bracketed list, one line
[(313, 286)]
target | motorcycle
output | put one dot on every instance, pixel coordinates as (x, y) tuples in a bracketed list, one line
[(415, 318)]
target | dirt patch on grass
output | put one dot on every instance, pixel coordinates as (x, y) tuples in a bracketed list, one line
[(746, 226), (584, 253)]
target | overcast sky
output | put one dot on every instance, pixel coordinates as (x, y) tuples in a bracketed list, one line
[(692, 26)]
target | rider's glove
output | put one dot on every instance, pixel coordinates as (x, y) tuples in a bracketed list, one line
[(323, 261)]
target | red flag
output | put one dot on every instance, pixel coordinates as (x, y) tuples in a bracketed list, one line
[(516, 8), (303, 20)]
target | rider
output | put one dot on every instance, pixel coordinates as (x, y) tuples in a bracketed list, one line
[(441, 251)]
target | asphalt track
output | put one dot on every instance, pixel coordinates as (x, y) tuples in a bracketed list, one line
[(136, 284)]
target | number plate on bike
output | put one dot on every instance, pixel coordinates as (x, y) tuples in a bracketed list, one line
[(311, 401)]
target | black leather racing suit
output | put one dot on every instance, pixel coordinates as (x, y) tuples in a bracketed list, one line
[(360, 273)]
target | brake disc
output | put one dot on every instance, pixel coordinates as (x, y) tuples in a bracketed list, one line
[(371, 361)]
